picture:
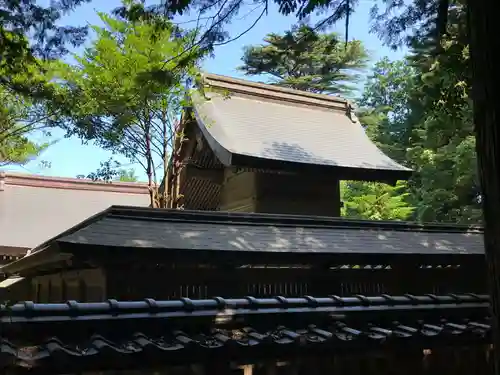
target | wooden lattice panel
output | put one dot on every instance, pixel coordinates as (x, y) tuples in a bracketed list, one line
[(201, 194)]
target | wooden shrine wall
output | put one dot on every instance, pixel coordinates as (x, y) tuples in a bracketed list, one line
[(136, 281), (278, 193), (171, 282), (297, 194), (88, 285)]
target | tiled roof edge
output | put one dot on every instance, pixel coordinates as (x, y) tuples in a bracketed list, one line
[(19, 179), (284, 94), (200, 217), (50, 241), (13, 250), (26, 311)]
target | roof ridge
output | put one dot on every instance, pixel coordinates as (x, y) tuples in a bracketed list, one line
[(69, 183), (267, 90), (241, 218)]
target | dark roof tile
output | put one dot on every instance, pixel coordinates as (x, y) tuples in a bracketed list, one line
[(252, 328), (184, 348), (276, 237), (255, 234)]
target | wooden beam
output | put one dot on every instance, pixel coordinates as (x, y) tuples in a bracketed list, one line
[(247, 369), (186, 145)]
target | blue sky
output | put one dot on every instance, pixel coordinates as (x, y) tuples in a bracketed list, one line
[(69, 157)]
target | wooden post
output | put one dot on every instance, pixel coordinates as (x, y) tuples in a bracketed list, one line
[(247, 369), (484, 30)]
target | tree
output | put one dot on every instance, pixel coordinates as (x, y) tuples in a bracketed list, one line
[(30, 38), (48, 40), (418, 112), (15, 146), (124, 97), (127, 175), (424, 19), (386, 105), (306, 60), (108, 171), (30, 33), (18, 149), (375, 201), (443, 142), (20, 117)]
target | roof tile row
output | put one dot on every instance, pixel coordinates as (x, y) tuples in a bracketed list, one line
[(180, 347), (122, 335), (28, 311)]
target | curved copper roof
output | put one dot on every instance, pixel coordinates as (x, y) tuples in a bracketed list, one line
[(249, 124)]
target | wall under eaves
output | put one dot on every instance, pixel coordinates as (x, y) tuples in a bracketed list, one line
[(34, 208), (296, 194)]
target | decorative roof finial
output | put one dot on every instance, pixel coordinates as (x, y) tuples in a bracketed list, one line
[(2, 180), (350, 112)]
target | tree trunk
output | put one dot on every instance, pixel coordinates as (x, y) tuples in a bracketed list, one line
[(484, 32)]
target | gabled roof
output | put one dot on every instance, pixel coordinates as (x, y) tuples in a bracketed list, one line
[(256, 125), (255, 235), (121, 335), (36, 208)]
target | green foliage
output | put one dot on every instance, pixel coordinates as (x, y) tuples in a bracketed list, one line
[(396, 22), (418, 111), (19, 149), (111, 170), (47, 41), (218, 14), (375, 201), (126, 92), (108, 171), (387, 105), (411, 23), (20, 117), (443, 142), (306, 60), (127, 175)]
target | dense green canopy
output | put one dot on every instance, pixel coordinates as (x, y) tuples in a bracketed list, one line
[(304, 59)]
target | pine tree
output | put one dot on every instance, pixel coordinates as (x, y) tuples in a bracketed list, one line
[(304, 59)]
